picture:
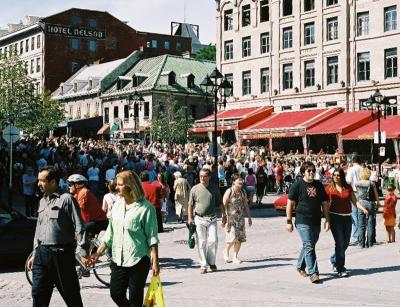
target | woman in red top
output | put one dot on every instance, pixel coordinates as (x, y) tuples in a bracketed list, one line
[(341, 197), (389, 213)]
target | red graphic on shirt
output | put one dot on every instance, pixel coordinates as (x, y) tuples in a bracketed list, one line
[(311, 192)]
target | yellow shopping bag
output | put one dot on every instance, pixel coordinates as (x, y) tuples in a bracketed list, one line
[(154, 296)]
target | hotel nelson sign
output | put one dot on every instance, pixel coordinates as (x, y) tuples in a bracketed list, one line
[(75, 32)]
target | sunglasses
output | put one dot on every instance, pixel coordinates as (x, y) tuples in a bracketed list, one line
[(310, 170)]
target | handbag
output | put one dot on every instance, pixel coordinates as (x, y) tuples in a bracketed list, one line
[(154, 296)]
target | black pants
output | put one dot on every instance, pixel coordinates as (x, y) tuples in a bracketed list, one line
[(159, 220), (55, 268), (133, 277), (94, 227)]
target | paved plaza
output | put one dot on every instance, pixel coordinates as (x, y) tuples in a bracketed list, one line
[(267, 276)]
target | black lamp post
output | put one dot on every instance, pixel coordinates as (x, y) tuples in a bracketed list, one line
[(216, 84), (380, 103), (135, 102)]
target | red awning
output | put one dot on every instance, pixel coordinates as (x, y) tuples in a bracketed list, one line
[(391, 125), (288, 124), (105, 129), (231, 119), (342, 123)]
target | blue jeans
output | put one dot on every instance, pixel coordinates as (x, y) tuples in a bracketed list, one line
[(341, 231), (366, 225), (355, 225), (309, 235)]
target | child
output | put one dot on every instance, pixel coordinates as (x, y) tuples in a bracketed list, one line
[(389, 213)]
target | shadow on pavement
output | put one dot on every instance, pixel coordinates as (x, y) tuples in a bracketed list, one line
[(269, 259), (177, 263), (250, 268)]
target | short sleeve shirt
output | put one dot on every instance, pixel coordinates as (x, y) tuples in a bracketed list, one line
[(308, 197), (205, 199)]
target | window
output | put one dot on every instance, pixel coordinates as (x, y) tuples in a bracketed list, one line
[(74, 43), (309, 33), (167, 45), (88, 109), (362, 23), (332, 70), (32, 66), (246, 83), (287, 76), (126, 113), (309, 5), (229, 78), (264, 80), (246, 15), (38, 42), (331, 104), (287, 7), (21, 47), (37, 64), (5, 51), (106, 115), (264, 42), (308, 106), (92, 46), (331, 2), (391, 63), (146, 111), (332, 26), (27, 45), (190, 81), (363, 66), (178, 46), (71, 111), (287, 37), (264, 10), (116, 112), (286, 108), (154, 43), (171, 78), (32, 43), (228, 20), (74, 66), (309, 73), (78, 113), (390, 18), (228, 50), (75, 21), (246, 46), (392, 108), (92, 23)]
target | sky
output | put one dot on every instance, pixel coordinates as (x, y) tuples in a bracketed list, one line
[(144, 15)]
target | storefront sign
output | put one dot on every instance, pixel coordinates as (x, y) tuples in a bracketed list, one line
[(75, 32)]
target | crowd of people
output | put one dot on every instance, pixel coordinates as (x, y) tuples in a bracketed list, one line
[(132, 190)]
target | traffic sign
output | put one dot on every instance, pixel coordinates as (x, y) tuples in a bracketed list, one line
[(11, 133)]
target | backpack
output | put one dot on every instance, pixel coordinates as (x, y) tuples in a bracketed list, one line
[(250, 180)]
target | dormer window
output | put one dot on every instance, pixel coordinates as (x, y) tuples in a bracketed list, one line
[(90, 85), (75, 87), (138, 79), (171, 78), (122, 82), (190, 81)]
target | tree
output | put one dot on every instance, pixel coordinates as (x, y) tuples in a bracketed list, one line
[(207, 53), (32, 112), (171, 125)]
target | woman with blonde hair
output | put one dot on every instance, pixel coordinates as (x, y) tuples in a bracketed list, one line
[(132, 235), (182, 192), (367, 195)]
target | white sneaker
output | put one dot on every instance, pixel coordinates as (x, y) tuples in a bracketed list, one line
[(226, 257), (236, 261)]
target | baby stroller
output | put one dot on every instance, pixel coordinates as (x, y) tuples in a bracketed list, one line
[(287, 182)]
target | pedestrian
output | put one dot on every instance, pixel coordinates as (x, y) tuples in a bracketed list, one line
[(341, 197), (182, 191), (261, 176), (235, 203), (132, 236), (309, 197), (389, 213), (352, 177), (58, 230), (153, 194), (250, 182), (110, 198), (203, 200), (93, 175), (28, 186), (367, 196)]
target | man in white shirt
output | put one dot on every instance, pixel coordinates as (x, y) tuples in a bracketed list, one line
[(352, 177)]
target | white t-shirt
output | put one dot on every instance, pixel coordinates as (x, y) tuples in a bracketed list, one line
[(353, 175), (110, 199)]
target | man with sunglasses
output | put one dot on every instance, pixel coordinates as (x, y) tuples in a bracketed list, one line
[(309, 197)]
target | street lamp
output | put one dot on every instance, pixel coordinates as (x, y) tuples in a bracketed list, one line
[(216, 84), (380, 103), (135, 103)]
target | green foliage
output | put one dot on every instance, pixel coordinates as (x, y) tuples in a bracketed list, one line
[(172, 124), (32, 112), (208, 53)]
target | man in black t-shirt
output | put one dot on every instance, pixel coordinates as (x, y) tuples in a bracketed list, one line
[(310, 197)]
